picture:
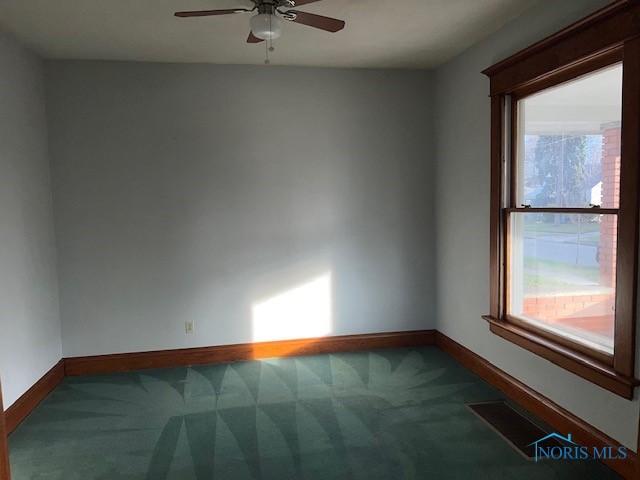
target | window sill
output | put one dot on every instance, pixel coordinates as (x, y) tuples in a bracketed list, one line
[(571, 360)]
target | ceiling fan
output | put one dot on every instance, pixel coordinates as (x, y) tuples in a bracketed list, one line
[(267, 23)]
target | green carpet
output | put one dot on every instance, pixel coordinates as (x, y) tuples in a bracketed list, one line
[(385, 414)]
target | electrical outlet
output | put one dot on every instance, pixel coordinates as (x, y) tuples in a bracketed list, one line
[(188, 327)]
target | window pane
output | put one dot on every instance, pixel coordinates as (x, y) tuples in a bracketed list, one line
[(569, 143), (562, 274)]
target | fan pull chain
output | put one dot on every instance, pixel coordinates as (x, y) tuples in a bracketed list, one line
[(268, 45)]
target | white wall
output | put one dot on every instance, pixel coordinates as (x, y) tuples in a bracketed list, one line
[(463, 167), (29, 316), (193, 192)]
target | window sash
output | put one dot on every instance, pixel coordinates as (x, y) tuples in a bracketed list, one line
[(507, 314), (511, 143)]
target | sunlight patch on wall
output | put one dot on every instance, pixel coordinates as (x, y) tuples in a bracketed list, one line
[(304, 311)]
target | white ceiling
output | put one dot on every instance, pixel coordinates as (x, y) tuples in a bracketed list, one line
[(379, 33)]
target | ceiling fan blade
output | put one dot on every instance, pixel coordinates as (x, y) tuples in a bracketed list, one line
[(303, 2), (208, 13), (318, 21), (253, 39)]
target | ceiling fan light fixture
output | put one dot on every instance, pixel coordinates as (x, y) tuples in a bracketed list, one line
[(266, 26)]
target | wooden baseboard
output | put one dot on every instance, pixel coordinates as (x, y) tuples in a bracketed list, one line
[(22, 407), (4, 450), (545, 409), (246, 351)]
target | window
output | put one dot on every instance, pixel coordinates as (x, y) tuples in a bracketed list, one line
[(567, 155), (564, 198)]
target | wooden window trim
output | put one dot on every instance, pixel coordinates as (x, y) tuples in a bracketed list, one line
[(600, 357), (608, 36), (567, 358)]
